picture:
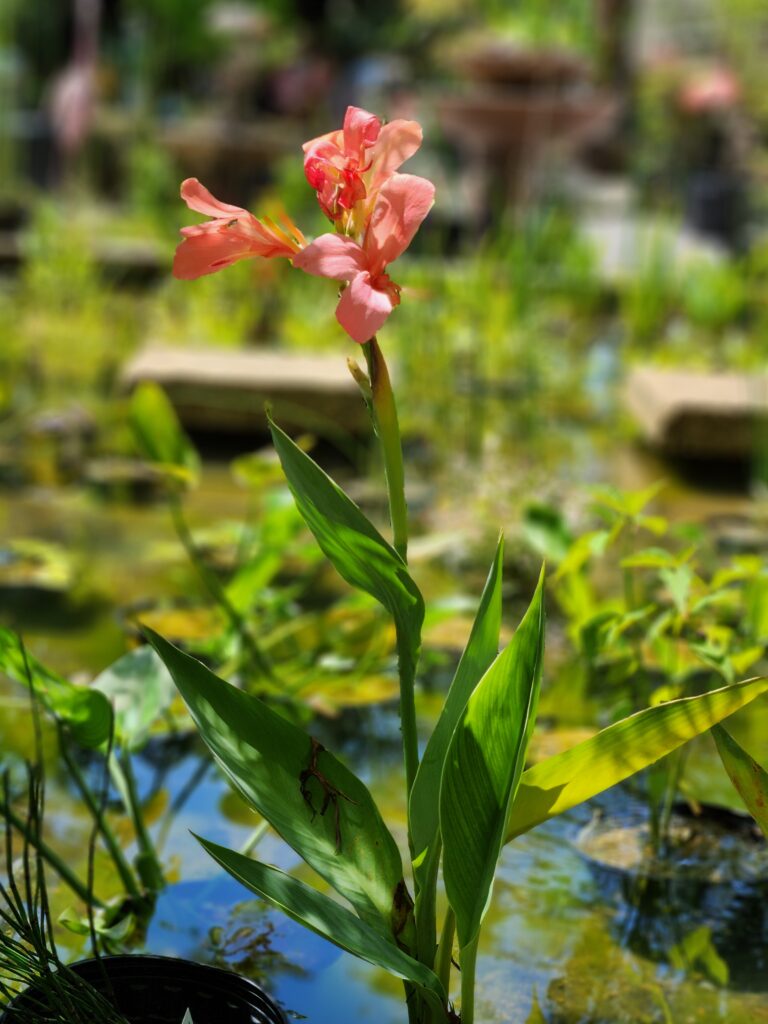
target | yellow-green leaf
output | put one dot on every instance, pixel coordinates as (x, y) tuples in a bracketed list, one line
[(561, 782)]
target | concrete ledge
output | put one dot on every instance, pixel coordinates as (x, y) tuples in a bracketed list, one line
[(224, 391), (698, 415)]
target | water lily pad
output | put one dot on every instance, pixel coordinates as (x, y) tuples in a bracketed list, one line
[(27, 564)]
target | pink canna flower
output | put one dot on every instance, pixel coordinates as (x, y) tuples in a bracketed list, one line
[(233, 234), (348, 166), (401, 205)]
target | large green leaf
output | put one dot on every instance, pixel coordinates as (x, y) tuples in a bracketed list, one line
[(483, 767), (482, 647), (324, 916), (312, 800), (159, 434), (355, 547), (749, 778), (85, 711), (565, 780), (140, 689)]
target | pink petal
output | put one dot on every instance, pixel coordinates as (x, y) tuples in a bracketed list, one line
[(360, 129), (401, 205), (362, 310), (334, 139), (198, 198), (208, 252), (334, 256), (397, 142)]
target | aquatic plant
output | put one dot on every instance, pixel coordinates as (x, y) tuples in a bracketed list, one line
[(28, 955), (652, 614), (106, 722), (468, 793)]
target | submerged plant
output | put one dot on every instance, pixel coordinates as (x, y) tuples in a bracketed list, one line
[(469, 793), (28, 955), (674, 626)]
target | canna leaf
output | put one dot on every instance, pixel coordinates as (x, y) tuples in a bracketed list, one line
[(139, 688), (565, 780), (159, 435), (482, 647), (312, 800), (322, 915), (85, 711), (483, 767), (750, 779), (354, 546)]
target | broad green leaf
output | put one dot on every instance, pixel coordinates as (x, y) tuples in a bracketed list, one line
[(312, 800), (85, 711), (623, 749), (140, 689), (482, 647), (355, 547), (750, 779), (159, 434), (480, 652), (483, 767), (324, 916)]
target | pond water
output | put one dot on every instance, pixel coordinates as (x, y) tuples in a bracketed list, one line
[(554, 927)]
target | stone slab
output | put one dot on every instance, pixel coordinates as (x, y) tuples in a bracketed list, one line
[(215, 390), (697, 415)]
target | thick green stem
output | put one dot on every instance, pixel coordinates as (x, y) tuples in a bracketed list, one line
[(444, 957), (110, 841), (468, 963), (65, 873), (388, 430), (384, 413)]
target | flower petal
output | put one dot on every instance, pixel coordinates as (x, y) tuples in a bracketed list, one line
[(334, 256), (330, 139), (360, 129), (397, 142), (401, 205), (198, 198), (217, 243), (209, 251), (362, 310)]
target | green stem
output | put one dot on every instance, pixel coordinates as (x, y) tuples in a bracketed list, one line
[(143, 837), (110, 841), (50, 856), (255, 838), (444, 957), (216, 591), (468, 963), (384, 413), (388, 431)]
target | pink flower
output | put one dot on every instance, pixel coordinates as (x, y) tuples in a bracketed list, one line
[(348, 166), (714, 88), (233, 234), (370, 296)]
